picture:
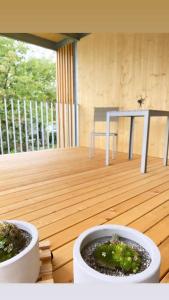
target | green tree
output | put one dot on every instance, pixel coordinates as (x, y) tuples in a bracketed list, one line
[(23, 77), (12, 54), (39, 76)]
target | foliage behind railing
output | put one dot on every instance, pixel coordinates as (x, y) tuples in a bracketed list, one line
[(31, 125)]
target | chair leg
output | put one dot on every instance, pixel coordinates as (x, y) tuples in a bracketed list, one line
[(114, 146), (91, 147)]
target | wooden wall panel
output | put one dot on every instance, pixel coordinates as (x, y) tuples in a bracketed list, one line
[(65, 95), (114, 70)]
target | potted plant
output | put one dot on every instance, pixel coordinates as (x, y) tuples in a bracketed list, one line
[(115, 254), (19, 252)]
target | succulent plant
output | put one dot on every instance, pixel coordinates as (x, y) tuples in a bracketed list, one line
[(118, 255), (12, 240)]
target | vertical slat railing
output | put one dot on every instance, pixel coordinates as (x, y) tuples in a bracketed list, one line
[(42, 126), (73, 125), (13, 125), (32, 125), (70, 127), (47, 123), (1, 139), (26, 126), (58, 97), (19, 124), (61, 125), (66, 99), (65, 125), (37, 125), (52, 124), (71, 93), (76, 121), (57, 125), (7, 128)]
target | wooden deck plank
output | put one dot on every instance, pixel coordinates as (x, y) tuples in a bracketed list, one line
[(66, 187), (127, 218), (164, 270), (47, 204), (15, 181), (152, 233), (143, 223), (63, 193), (105, 203), (78, 178)]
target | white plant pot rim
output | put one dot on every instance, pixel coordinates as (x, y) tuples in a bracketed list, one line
[(154, 265), (31, 229)]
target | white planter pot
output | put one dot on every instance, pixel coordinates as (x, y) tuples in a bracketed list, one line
[(25, 266), (85, 274)]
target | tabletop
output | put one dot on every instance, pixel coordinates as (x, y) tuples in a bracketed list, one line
[(138, 113)]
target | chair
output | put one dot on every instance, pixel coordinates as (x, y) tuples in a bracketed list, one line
[(100, 116)]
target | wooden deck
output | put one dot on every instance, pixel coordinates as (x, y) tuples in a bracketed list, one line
[(63, 193)]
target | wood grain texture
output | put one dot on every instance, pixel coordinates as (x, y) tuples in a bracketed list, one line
[(46, 267), (63, 193), (65, 95), (55, 37), (115, 70)]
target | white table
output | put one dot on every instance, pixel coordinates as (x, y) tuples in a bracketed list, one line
[(146, 114)]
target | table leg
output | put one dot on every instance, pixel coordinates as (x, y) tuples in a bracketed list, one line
[(165, 162), (131, 137), (107, 139), (145, 142)]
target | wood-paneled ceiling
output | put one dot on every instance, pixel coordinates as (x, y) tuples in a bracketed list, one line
[(51, 41)]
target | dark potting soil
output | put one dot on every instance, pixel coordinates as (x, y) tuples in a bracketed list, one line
[(87, 254)]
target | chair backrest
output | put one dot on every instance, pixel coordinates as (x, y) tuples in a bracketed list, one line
[(100, 113)]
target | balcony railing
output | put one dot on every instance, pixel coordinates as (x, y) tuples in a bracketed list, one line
[(34, 125)]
